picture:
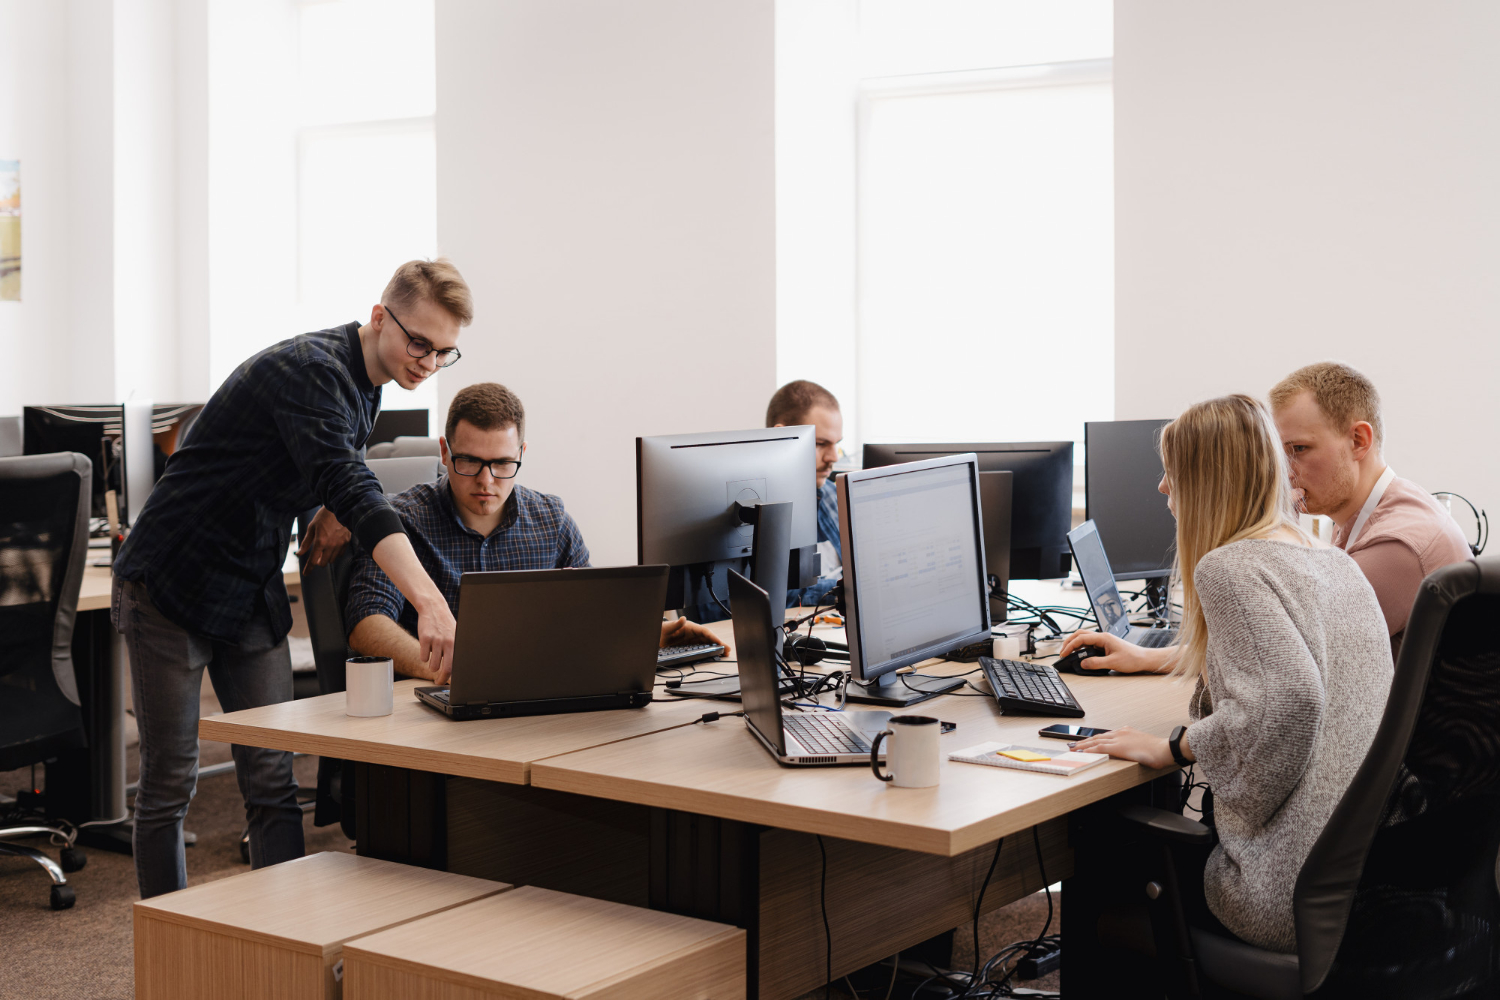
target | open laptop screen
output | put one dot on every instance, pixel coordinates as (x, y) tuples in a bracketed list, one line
[(754, 647), (1098, 580)]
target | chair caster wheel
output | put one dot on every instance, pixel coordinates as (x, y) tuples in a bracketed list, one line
[(245, 847), (73, 859), (62, 897)]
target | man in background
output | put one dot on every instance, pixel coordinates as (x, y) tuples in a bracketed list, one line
[(1329, 419), (804, 402)]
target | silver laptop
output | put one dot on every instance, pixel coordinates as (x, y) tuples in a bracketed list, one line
[(518, 652), (801, 738), (1099, 581)]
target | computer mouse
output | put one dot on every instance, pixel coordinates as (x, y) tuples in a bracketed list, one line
[(1073, 662)]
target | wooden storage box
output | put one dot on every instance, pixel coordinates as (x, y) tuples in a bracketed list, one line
[(278, 932), (535, 943)]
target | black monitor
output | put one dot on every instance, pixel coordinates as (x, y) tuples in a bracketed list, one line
[(391, 424), (914, 573), (128, 444), (1041, 496), (709, 503), (995, 490), (1122, 468)]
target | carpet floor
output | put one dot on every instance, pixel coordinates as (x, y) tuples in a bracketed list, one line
[(87, 951)]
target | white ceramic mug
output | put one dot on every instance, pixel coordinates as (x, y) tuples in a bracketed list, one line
[(911, 751), (370, 683)]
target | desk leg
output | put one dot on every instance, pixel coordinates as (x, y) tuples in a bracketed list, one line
[(400, 815)]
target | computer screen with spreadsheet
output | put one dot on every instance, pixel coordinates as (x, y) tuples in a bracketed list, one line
[(914, 562)]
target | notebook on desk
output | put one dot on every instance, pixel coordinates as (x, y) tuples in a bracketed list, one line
[(525, 645)]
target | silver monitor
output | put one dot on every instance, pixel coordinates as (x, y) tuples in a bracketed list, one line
[(914, 572)]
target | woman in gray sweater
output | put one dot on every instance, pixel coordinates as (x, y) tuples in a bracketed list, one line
[(1287, 644)]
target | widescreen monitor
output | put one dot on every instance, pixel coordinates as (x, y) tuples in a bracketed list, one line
[(391, 424), (1122, 470), (1041, 496), (914, 573), (696, 509)]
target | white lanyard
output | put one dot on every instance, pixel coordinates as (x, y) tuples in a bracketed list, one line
[(1371, 503)]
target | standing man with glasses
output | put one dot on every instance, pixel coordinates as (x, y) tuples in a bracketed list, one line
[(476, 518), (199, 582)]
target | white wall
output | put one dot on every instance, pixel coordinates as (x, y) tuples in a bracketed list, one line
[(1297, 182), (606, 183), (817, 85)]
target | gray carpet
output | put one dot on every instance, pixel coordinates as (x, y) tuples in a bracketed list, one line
[(87, 951)]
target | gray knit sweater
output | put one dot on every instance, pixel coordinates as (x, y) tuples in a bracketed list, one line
[(1293, 688)]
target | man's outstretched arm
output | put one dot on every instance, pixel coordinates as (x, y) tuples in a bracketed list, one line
[(377, 635)]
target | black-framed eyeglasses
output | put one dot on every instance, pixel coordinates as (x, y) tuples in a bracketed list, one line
[(420, 347), (500, 468)]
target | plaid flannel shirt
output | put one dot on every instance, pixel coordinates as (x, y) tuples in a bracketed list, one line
[(535, 532), (281, 436)]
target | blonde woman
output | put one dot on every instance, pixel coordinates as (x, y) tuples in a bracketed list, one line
[(1287, 644)]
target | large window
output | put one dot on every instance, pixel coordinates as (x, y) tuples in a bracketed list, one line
[(366, 157), (985, 215)]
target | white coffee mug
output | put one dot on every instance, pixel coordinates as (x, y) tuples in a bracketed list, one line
[(370, 686), (911, 751)]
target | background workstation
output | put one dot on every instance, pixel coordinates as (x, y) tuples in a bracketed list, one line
[(1328, 206)]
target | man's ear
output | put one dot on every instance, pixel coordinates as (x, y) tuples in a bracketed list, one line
[(377, 316), (443, 448), (1361, 439)]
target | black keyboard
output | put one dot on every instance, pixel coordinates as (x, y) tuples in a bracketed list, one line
[(823, 733), (681, 656), (1029, 688), (1156, 638)]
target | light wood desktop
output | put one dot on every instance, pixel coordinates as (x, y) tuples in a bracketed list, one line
[(689, 809), (94, 592)]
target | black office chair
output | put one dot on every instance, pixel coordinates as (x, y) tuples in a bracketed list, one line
[(44, 511), (1398, 898)]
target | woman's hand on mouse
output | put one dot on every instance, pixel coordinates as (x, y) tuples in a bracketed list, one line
[(1119, 655)]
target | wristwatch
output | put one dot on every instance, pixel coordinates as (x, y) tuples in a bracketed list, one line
[(1174, 744)]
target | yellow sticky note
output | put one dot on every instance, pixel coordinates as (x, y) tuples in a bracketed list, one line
[(1025, 755)]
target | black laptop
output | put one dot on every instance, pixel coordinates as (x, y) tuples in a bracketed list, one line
[(538, 642)]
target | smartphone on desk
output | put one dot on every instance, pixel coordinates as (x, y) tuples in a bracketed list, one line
[(1070, 732)]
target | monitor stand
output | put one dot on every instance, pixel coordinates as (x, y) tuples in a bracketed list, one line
[(1159, 597), (899, 690)]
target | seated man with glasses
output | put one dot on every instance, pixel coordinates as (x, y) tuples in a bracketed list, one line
[(475, 518)]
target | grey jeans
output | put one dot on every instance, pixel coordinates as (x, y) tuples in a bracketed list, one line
[(166, 671)]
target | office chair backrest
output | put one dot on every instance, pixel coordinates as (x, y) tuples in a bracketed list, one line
[(397, 475), (44, 511), (1437, 749), (405, 447)]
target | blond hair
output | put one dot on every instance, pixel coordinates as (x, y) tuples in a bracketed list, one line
[(435, 281), (1228, 477), (1344, 396)]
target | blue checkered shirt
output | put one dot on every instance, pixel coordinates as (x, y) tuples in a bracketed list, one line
[(282, 435), (535, 532)]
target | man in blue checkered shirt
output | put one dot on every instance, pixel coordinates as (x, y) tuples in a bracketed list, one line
[(476, 518)]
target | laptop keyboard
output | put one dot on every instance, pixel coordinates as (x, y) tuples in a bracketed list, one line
[(679, 656), (1156, 638), (441, 694), (824, 733), (1029, 688)]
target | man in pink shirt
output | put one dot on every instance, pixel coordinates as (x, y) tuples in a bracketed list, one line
[(1328, 416)]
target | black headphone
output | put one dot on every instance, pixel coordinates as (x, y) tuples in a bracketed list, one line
[(805, 650), (1481, 522)]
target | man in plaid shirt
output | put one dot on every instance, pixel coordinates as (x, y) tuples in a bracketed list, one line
[(476, 518), (198, 583)]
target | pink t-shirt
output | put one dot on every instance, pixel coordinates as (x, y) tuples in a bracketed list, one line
[(1407, 536)]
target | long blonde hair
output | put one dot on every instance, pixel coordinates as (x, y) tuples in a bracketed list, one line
[(1228, 477)]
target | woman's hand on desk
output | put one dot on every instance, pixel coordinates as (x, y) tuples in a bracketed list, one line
[(681, 632), (1130, 744), (1119, 655)]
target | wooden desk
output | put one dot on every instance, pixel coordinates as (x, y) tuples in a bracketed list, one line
[(643, 807)]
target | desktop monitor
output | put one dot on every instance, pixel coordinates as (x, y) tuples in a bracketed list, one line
[(914, 575), (994, 503), (391, 424), (1041, 497), (703, 501), (128, 444), (1122, 468)]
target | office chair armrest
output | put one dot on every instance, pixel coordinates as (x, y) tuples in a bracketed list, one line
[(1168, 826)]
